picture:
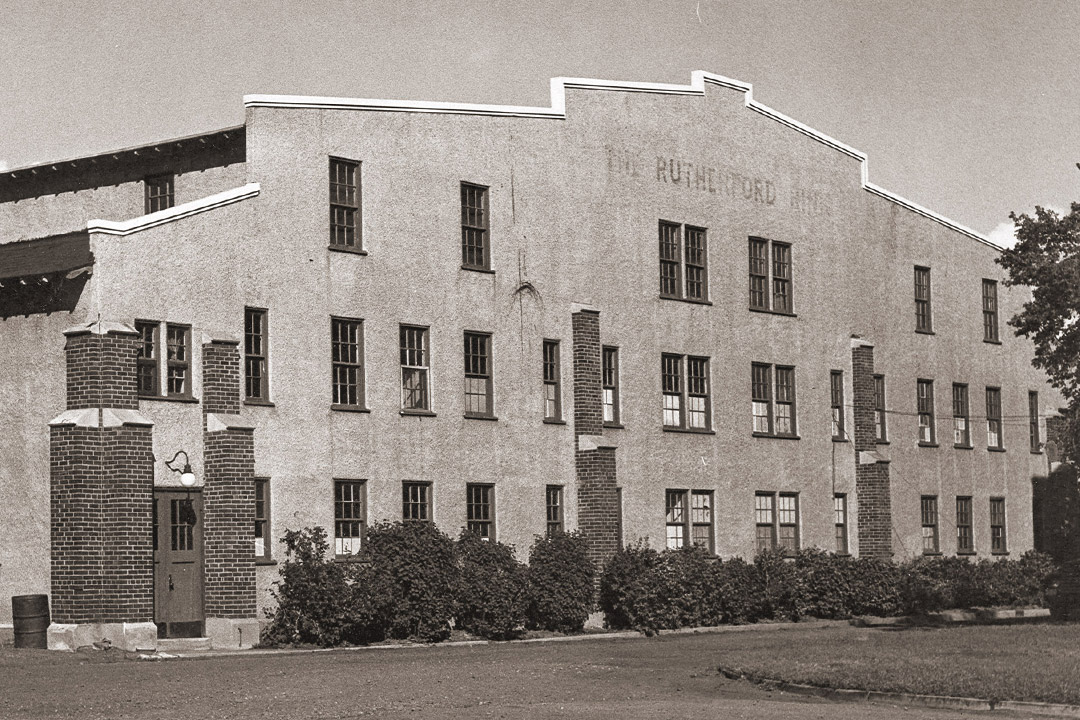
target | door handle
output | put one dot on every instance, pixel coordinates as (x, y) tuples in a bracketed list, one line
[(170, 581)]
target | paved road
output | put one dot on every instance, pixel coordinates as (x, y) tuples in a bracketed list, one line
[(665, 677)]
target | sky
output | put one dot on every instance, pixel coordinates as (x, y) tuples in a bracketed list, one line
[(968, 107)]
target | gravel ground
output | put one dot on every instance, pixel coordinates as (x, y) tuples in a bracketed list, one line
[(669, 676)]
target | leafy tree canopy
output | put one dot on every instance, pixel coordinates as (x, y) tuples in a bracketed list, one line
[(1046, 257)]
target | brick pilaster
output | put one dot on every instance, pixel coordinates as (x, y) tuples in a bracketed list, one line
[(101, 484), (101, 368), (598, 502), (221, 376), (872, 484), (228, 530), (228, 489)]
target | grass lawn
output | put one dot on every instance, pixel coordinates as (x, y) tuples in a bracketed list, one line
[(1039, 662)]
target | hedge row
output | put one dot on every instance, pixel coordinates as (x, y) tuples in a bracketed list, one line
[(646, 590), (413, 581)]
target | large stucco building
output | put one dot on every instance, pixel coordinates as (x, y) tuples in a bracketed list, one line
[(648, 311)]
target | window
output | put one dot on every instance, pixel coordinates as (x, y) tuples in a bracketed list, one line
[(610, 384), (836, 400), (765, 518), (683, 253), (880, 428), (416, 501), (777, 520), (775, 296), (149, 385), (414, 369), (787, 514), (840, 515), (1033, 422), (993, 418), (961, 425), (688, 514), (965, 542), (925, 404), (553, 498), (347, 358), (475, 253), (344, 204), (480, 508), (686, 405), (552, 383), (478, 401), (773, 407), (262, 519), (255, 375), (178, 363), (929, 525), (998, 542), (159, 192), (990, 312), (349, 516), (923, 320)]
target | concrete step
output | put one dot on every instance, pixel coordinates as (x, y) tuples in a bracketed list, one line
[(182, 645)]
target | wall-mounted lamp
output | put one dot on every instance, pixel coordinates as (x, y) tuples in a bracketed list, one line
[(187, 476)]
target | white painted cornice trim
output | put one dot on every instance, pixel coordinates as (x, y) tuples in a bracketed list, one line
[(557, 111), (144, 222)]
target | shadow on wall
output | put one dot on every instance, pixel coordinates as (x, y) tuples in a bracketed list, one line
[(58, 293)]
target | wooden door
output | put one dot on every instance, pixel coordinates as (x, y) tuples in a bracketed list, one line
[(178, 563)]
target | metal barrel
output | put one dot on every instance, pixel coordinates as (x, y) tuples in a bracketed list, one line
[(31, 620)]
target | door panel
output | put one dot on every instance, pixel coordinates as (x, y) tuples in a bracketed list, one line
[(178, 563)]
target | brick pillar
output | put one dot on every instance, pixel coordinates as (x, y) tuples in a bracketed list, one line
[(594, 459), (101, 484), (872, 485), (228, 489)]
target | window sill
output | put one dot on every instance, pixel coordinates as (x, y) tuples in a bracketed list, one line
[(991, 342), (882, 442), (614, 426), (689, 431), (839, 439), (925, 332), (259, 562), (995, 449), (170, 398), (1000, 553), (928, 444), (935, 553), (255, 402), (485, 271), (692, 301), (349, 559), (966, 553), (467, 416), (418, 413), (1035, 452), (963, 447), (350, 408), (767, 311), (346, 249), (842, 554), (775, 437), (554, 421)]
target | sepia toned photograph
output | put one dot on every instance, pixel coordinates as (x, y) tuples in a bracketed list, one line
[(478, 359)]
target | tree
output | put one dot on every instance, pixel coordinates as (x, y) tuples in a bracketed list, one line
[(1046, 258)]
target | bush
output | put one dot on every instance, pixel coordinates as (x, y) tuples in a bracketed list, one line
[(780, 585), (742, 594), (492, 601), (624, 587), (318, 601), (413, 578), (560, 579)]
